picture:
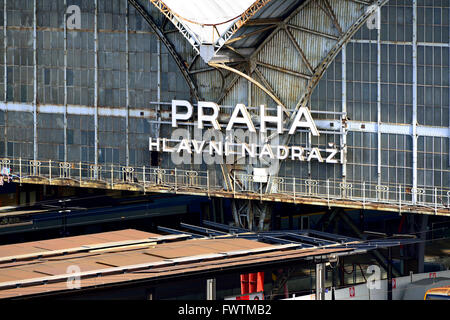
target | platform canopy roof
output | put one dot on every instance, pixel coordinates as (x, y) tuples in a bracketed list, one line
[(125, 256)]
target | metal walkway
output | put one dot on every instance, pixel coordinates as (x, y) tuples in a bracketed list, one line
[(330, 193)]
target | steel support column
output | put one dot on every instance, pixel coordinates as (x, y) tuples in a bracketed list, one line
[(379, 98), (159, 32), (377, 255), (35, 145), (96, 89), (211, 289), (422, 234), (320, 281), (389, 274), (65, 80), (414, 103), (5, 72), (343, 136), (127, 71), (448, 98), (158, 92)]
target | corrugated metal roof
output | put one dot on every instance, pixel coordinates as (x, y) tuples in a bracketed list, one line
[(166, 259)]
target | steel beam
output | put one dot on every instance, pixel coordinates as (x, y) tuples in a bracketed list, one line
[(320, 281), (402, 43), (311, 31), (379, 99), (65, 80), (389, 275), (378, 256), (127, 88), (209, 232), (158, 92), (35, 143), (299, 50), (343, 135), (5, 72), (211, 289), (414, 104), (174, 231), (330, 12), (96, 88), (353, 126), (159, 32)]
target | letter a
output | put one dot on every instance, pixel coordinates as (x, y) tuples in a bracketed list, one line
[(307, 123)]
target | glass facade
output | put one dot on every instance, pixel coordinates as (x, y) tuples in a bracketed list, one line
[(395, 98), (120, 50)]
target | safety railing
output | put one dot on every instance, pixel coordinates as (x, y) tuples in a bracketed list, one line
[(177, 179)]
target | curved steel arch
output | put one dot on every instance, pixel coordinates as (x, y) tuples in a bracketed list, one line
[(159, 32), (292, 59), (307, 36), (301, 36)]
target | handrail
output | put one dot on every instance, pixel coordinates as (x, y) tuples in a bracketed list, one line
[(177, 179)]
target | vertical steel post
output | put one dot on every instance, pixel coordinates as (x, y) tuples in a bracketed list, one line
[(261, 191), (127, 70), (65, 80), (435, 200), (333, 283), (5, 49), (143, 175), (320, 281), (344, 112), (96, 88), (328, 193), (379, 98), (364, 194), (211, 289), (35, 145), (234, 183), (294, 188), (207, 182), (5, 72), (389, 274), (158, 92), (308, 145), (414, 102)]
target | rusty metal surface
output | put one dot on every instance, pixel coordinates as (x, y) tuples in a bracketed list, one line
[(35, 247), (170, 271), (101, 262)]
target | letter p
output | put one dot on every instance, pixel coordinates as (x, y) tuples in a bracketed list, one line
[(180, 116)]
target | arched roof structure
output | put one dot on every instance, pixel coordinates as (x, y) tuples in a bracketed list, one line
[(282, 46)]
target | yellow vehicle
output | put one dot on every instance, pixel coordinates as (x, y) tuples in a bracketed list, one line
[(442, 293)]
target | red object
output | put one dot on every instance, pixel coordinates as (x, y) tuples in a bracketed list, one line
[(243, 298), (352, 291), (260, 284), (252, 282), (244, 284)]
